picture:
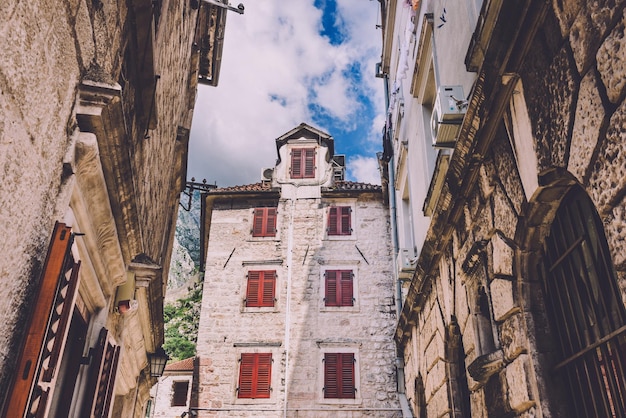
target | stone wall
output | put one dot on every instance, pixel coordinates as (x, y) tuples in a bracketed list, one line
[(51, 48), (228, 328), (572, 81)]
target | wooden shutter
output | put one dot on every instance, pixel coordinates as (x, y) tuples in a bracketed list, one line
[(346, 288), (331, 288), (333, 227), (346, 228), (296, 163), (264, 223), (257, 224), (179, 395), (255, 373), (309, 163), (339, 375), (28, 366), (261, 289), (101, 377)]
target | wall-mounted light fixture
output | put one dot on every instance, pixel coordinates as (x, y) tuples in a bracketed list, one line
[(158, 360)]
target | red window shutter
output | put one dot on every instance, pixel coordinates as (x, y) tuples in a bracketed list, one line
[(257, 223), (27, 364), (345, 220), (346, 288), (296, 163), (254, 284), (270, 230), (264, 223), (101, 379), (339, 289), (339, 375), (331, 288), (309, 163), (347, 376), (268, 288), (333, 227), (255, 373), (261, 289)]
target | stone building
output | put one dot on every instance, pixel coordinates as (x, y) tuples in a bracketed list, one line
[(97, 99), (171, 396), (298, 309), (506, 150)]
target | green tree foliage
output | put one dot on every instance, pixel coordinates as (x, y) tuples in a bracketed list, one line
[(181, 324)]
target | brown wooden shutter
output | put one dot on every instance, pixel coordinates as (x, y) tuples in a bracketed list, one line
[(296, 163), (255, 373), (339, 375), (346, 288), (179, 396), (261, 289), (309, 163), (37, 324), (331, 288), (270, 230), (346, 228), (101, 380), (333, 221), (347, 376)]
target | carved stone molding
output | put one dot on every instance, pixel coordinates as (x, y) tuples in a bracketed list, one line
[(485, 366)]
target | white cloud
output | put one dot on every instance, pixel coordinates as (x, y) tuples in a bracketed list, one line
[(364, 169), (275, 65)]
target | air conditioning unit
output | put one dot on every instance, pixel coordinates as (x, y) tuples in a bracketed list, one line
[(266, 174), (448, 113), (406, 263)]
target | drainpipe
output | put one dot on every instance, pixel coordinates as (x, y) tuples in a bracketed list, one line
[(288, 301)]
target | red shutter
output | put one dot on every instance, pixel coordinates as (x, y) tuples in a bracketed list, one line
[(296, 163), (255, 374), (37, 325), (101, 380), (332, 221), (270, 229), (346, 288), (331, 288), (254, 284), (268, 286), (339, 375), (257, 223), (347, 376), (345, 220), (309, 163)]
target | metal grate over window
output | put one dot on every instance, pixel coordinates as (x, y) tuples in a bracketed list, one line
[(586, 313)]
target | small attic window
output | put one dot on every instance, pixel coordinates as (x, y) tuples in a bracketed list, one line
[(302, 163)]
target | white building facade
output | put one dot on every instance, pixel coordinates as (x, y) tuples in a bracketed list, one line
[(298, 311)]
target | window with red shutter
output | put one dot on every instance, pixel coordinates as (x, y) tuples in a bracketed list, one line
[(261, 288), (264, 223), (340, 220), (255, 375), (179, 393), (302, 163), (339, 288), (339, 376)]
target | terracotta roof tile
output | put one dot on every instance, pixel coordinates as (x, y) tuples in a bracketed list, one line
[(180, 366), (353, 185), (256, 187)]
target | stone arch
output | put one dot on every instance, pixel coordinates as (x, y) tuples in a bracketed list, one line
[(537, 271)]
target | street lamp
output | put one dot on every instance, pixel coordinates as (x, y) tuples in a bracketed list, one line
[(158, 360), (225, 5)]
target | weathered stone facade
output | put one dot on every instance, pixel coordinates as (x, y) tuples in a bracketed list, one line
[(298, 328), (97, 99), (542, 137)]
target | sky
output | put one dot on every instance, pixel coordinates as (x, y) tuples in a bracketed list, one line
[(284, 63)]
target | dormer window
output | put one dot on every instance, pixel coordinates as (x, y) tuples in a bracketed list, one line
[(302, 163)]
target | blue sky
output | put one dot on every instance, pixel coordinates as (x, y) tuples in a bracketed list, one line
[(284, 63)]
